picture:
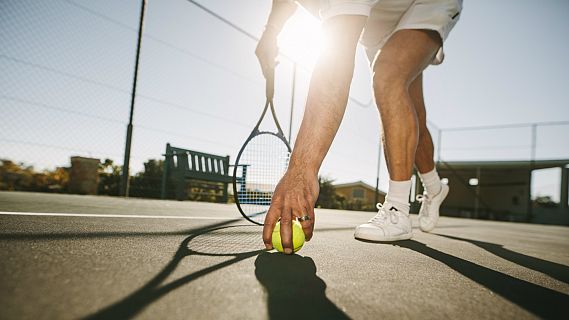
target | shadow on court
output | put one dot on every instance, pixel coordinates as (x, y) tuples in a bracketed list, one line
[(240, 242), (13, 236), (202, 242), (293, 288), (543, 302), (552, 269)]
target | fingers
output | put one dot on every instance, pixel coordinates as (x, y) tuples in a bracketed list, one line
[(308, 225), (270, 221), (266, 52), (302, 214), (267, 65), (304, 211), (286, 229)]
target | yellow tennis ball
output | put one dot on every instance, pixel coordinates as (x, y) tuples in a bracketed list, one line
[(297, 236)]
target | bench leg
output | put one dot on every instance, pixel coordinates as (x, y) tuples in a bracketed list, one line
[(181, 190), (225, 193), (164, 180)]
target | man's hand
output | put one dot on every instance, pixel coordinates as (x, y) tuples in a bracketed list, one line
[(294, 197), (267, 50)]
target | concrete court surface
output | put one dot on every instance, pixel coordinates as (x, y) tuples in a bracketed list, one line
[(114, 258)]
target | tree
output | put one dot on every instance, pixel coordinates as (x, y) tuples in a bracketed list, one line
[(147, 184), (21, 177), (327, 198), (109, 178), (544, 202)]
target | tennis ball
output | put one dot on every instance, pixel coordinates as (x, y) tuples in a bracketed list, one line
[(297, 236)]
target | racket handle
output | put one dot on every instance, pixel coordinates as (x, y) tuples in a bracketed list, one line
[(270, 89)]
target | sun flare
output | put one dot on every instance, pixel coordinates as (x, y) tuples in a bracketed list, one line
[(301, 39)]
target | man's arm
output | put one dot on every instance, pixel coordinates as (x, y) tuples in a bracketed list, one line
[(267, 49), (297, 191)]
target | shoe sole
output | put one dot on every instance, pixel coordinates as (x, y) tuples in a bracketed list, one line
[(384, 239), (445, 194)]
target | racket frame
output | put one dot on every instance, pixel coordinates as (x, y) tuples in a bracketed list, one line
[(256, 132)]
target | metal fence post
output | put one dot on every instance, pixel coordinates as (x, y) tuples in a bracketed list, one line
[(125, 181)]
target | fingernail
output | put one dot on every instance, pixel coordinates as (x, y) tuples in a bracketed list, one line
[(287, 251), (268, 246)]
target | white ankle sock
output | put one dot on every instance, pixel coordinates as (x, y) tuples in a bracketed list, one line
[(431, 182), (398, 194)]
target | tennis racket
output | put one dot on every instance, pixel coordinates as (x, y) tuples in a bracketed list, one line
[(260, 164)]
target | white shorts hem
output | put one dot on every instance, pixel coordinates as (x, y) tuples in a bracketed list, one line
[(346, 9), (437, 59)]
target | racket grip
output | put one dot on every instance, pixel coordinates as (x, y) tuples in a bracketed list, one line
[(270, 88)]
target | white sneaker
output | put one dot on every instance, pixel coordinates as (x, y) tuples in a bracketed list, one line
[(389, 224), (429, 212)]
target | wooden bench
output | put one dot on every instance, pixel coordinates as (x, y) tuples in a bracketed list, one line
[(182, 165)]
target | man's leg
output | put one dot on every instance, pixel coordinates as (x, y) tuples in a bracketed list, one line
[(435, 191), (424, 156), (403, 58)]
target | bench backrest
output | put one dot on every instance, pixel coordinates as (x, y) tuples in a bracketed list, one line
[(196, 164)]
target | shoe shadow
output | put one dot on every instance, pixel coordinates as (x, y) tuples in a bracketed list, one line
[(542, 302), (294, 290), (552, 269)]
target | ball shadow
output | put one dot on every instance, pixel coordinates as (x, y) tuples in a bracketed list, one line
[(293, 288)]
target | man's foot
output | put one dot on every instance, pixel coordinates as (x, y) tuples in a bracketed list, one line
[(389, 224), (429, 212)]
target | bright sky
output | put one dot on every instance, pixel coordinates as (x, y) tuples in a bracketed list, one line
[(67, 75)]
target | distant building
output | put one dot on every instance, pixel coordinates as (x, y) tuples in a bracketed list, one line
[(501, 190), (359, 192), (83, 175)]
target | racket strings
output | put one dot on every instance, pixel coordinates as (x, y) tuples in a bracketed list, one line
[(263, 162)]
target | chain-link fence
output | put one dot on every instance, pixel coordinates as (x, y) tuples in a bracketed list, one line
[(67, 77)]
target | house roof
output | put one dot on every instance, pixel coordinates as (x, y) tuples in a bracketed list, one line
[(524, 164), (357, 184)]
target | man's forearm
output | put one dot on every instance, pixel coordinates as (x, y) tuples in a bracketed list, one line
[(325, 107), (281, 11), (327, 97)]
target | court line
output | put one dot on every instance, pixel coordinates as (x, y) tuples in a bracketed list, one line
[(94, 215)]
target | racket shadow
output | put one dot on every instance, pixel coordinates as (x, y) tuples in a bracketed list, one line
[(293, 288), (137, 301)]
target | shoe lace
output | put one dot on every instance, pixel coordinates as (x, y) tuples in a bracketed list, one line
[(383, 214), (426, 202)]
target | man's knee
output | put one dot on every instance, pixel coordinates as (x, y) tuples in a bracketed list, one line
[(389, 78)]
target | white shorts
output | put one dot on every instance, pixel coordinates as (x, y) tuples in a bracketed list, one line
[(385, 17)]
